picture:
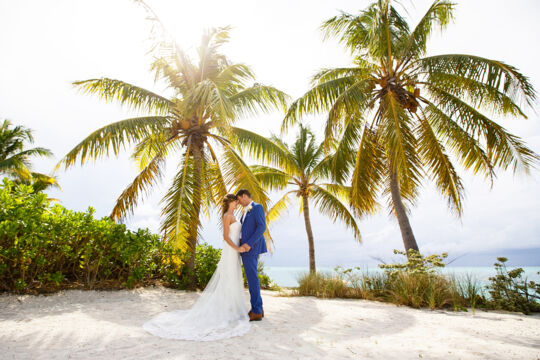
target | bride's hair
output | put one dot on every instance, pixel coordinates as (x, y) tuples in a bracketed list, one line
[(229, 198)]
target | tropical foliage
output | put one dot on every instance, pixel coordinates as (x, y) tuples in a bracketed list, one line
[(303, 170), (418, 284), (46, 248), (15, 157), (193, 127), (396, 116), (509, 291)]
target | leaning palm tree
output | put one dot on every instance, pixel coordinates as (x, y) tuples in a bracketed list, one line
[(396, 115), (15, 159), (192, 127), (303, 170)]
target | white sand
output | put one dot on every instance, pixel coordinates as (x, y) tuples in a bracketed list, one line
[(78, 324)]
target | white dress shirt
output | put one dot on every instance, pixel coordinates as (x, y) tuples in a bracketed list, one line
[(245, 211), (244, 216)]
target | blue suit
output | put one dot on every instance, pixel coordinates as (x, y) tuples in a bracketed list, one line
[(253, 227)]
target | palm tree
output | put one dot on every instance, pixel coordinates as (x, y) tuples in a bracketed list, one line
[(303, 169), (192, 127), (15, 158), (396, 115)]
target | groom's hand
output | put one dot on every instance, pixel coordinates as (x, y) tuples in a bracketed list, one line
[(246, 247)]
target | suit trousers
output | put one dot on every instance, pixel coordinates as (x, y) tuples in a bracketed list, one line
[(250, 267)]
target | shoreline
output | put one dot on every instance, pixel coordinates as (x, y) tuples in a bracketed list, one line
[(287, 275)]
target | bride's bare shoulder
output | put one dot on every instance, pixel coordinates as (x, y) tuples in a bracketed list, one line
[(228, 219)]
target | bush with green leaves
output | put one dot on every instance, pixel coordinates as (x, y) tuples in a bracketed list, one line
[(206, 261), (46, 247), (416, 263), (510, 292)]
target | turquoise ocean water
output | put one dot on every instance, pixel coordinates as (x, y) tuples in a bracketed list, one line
[(287, 276)]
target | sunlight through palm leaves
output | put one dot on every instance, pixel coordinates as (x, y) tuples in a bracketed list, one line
[(192, 128)]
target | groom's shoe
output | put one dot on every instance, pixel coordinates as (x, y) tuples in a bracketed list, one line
[(250, 312), (255, 317)]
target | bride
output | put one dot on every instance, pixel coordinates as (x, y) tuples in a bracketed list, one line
[(220, 312)]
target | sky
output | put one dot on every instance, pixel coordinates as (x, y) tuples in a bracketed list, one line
[(46, 46)]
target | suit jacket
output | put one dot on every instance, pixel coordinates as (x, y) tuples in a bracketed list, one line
[(253, 228)]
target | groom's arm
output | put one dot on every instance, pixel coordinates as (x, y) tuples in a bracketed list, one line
[(260, 228)]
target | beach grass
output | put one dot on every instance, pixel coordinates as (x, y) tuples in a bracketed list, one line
[(417, 290)]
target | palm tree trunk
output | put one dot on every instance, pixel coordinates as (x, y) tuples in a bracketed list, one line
[(312, 269), (194, 225), (403, 220)]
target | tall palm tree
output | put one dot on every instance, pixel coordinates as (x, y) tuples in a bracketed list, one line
[(15, 158), (192, 127), (303, 169), (397, 114)]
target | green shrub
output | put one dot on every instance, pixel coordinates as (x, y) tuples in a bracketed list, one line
[(510, 292), (206, 261), (416, 263), (45, 248)]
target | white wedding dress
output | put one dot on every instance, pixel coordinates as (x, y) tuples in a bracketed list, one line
[(220, 312)]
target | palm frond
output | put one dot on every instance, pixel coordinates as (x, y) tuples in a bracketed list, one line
[(440, 14), (278, 208), (437, 161), (467, 149), (270, 179), (143, 182), (178, 211), (367, 176), (397, 137), (342, 161), (377, 30), (132, 96), (317, 100), (306, 152), (352, 102), (476, 93), (259, 98), (238, 173), (363, 70), (328, 204), (502, 148), (234, 75), (174, 75), (266, 150), (493, 73), (215, 182), (114, 137), (37, 151), (154, 144), (39, 181)]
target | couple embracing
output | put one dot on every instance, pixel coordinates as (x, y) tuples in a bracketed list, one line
[(221, 312)]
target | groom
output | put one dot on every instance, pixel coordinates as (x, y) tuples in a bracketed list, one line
[(253, 243)]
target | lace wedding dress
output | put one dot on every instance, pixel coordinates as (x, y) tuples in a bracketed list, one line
[(220, 312)]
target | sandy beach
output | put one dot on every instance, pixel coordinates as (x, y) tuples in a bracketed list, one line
[(78, 324)]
